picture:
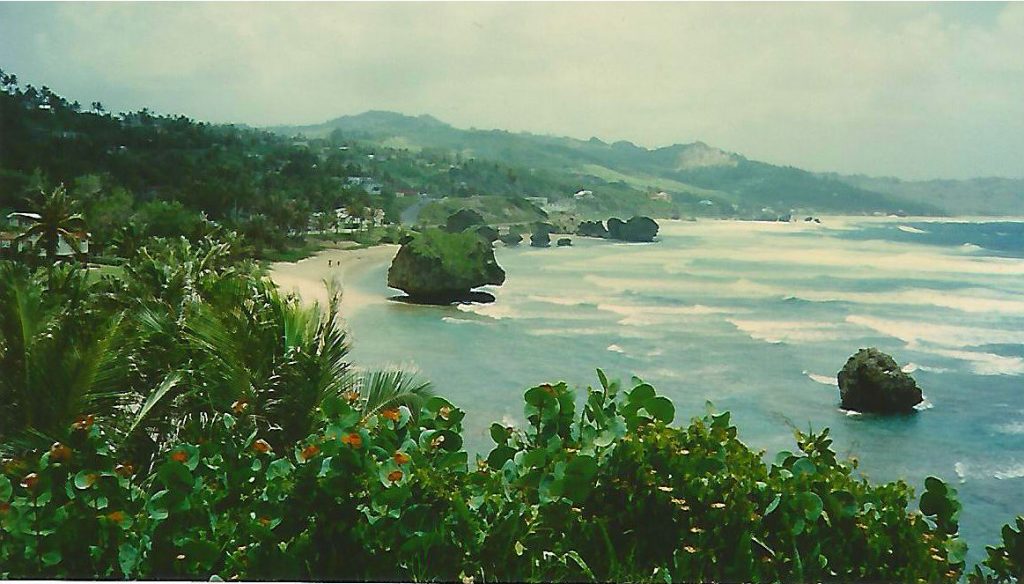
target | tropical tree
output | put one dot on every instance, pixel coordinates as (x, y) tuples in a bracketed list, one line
[(56, 219), (59, 355)]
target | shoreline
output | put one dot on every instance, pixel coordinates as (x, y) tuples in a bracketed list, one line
[(307, 276)]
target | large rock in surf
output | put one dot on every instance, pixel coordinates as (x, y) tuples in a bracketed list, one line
[(541, 236), (540, 239), (871, 381), (437, 267), (639, 228), (511, 239), (591, 229), (564, 242)]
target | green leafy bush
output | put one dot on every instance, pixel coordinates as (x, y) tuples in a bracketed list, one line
[(603, 489)]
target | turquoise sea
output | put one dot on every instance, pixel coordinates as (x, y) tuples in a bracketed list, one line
[(756, 318)]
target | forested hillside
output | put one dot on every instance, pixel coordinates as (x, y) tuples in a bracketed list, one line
[(728, 183)]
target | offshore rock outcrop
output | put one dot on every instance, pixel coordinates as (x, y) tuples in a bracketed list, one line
[(591, 229), (872, 381), (437, 267), (638, 228)]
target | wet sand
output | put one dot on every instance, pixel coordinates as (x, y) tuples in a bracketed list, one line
[(308, 276)]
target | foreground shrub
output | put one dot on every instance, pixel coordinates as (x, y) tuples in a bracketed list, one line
[(605, 491)]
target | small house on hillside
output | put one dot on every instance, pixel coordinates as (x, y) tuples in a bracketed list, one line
[(17, 223)]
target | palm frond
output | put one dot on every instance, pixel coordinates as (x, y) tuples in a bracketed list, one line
[(390, 388)]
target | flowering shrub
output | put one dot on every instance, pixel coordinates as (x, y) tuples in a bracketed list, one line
[(603, 488)]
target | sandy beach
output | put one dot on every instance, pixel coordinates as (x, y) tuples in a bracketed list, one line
[(308, 276)]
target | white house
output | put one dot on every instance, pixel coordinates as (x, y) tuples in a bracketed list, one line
[(18, 222)]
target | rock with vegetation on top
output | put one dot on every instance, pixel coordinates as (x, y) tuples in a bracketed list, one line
[(564, 242), (462, 220), (871, 381), (591, 229), (437, 267), (639, 228)]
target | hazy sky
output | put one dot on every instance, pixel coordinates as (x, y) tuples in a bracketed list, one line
[(911, 90)]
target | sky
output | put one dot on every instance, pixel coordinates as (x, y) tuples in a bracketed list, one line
[(914, 90)]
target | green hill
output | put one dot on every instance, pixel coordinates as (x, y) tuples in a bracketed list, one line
[(688, 173)]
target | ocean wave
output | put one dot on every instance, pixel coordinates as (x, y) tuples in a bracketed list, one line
[(909, 229), (560, 300), (971, 247), (829, 380), (495, 310), (616, 349), (975, 470), (1015, 471), (914, 333), (912, 367), (638, 315), (788, 331), (453, 320), (1014, 428), (985, 363)]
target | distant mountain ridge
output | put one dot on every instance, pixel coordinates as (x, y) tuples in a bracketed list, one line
[(693, 170)]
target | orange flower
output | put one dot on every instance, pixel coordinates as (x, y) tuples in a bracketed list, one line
[(59, 452), (179, 456), (262, 446), (444, 412), (116, 516), (402, 458), (240, 406), (391, 414), (436, 442), (4, 508), (30, 481), (84, 422), (351, 395), (309, 451), (395, 476), (125, 470), (354, 440), (264, 521)]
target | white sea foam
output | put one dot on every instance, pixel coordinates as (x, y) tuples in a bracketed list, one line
[(559, 300), (971, 247), (822, 379), (453, 320), (635, 315), (1016, 427), (925, 404), (788, 331), (495, 310), (1014, 471), (616, 349), (975, 470), (961, 471), (909, 229), (916, 332), (986, 363)]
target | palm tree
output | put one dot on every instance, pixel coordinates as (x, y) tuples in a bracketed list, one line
[(59, 357), (57, 220)]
